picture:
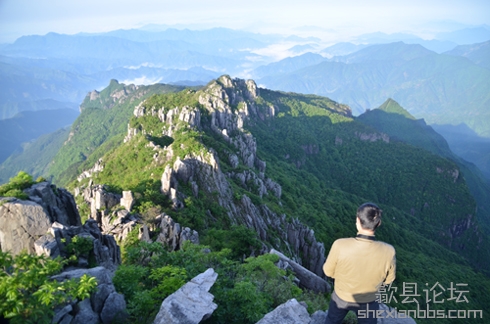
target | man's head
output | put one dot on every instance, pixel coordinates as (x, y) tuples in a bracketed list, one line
[(369, 216)]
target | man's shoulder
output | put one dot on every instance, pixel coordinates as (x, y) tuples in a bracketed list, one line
[(386, 246), (344, 240)]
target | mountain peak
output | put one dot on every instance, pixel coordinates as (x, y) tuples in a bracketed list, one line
[(393, 107)]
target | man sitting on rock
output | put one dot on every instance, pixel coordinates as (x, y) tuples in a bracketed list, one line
[(359, 266)]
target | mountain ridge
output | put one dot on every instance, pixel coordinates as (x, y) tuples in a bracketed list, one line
[(432, 86)]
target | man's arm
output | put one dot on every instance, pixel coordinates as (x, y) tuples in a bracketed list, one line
[(331, 263), (391, 275)]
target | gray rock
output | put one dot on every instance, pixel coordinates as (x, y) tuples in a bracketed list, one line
[(98, 167), (191, 304), (58, 203), (98, 299), (127, 200), (60, 314), (67, 319), (48, 246), (172, 234), (144, 234), (291, 312), (233, 159), (105, 305), (85, 314), (114, 310), (296, 313), (318, 317), (99, 199), (307, 279), (389, 316), (22, 222), (107, 253), (103, 275)]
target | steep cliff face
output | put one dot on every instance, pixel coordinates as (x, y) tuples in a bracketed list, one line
[(223, 107)]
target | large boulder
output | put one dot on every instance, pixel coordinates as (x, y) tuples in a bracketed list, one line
[(191, 304), (291, 312), (22, 222), (58, 203)]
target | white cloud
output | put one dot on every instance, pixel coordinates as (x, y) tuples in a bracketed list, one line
[(143, 80)]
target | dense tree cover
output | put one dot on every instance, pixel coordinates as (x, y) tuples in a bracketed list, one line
[(244, 291), (28, 295), (392, 119), (414, 180), (408, 130)]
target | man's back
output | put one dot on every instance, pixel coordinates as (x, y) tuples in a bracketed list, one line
[(360, 266)]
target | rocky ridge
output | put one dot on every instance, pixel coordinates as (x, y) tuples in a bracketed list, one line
[(112, 214), (225, 105), (228, 104)]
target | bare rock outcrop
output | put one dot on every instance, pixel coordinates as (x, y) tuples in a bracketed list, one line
[(104, 306), (291, 312), (104, 250), (373, 137), (100, 200), (106, 211), (191, 304), (172, 234), (307, 279), (59, 204), (98, 167), (127, 200), (22, 222)]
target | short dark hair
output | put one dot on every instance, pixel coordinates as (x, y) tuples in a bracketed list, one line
[(370, 215)]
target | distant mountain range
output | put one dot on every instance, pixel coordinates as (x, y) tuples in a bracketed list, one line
[(477, 53), (444, 80), (441, 88)]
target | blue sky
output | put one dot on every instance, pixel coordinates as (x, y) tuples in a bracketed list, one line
[(339, 18)]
